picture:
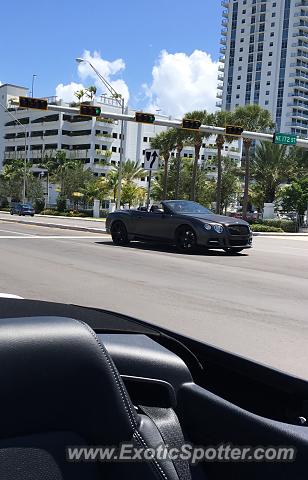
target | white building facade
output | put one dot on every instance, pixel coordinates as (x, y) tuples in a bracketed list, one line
[(264, 60)]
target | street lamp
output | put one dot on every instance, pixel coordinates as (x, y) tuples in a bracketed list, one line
[(120, 101), (26, 150), (33, 78)]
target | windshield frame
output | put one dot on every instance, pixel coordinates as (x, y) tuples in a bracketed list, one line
[(168, 204)]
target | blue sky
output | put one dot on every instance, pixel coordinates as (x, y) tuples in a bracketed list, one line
[(45, 37)]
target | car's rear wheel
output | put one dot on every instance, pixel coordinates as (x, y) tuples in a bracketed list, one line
[(185, 239), (233, 250), (119, 233)]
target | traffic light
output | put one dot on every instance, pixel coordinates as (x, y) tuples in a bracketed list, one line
[(191, 124), (37, 103), (144, 117), (234, 130), (90, 110)]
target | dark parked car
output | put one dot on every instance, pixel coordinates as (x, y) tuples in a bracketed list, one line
[(22, 209), (183, 223)]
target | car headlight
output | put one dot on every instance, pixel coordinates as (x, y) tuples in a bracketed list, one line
[(218, 228), (207, 226)]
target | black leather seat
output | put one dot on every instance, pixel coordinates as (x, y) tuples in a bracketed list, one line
[(60, 388)]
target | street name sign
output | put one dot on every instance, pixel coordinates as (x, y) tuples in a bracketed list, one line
[(284, 138)]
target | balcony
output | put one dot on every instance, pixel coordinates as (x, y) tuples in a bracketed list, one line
[(222, 59), (220, 77), (298, 95), (301, 14), (219, 95), (224, 22), (225, 3), (223, 50), (299, 75), (220, 87), (302, 3), (219, 104), (301, 24), (297, 125), (303, 85), (221, 68), (225, 13), (224, 31), (223, 41)]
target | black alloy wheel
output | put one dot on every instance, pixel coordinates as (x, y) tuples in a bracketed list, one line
[(186, 240), (119, 233)]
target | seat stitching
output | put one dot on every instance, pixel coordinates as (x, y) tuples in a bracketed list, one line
[(116, 375), (139, 438)]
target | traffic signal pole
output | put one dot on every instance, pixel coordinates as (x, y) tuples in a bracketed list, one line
[(174, 123)]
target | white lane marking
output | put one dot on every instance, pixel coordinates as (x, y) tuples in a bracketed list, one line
[(54, 236), (16, 233)]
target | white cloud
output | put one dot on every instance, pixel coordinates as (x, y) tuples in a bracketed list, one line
[(181, 83), (107, 69), (66, 92)]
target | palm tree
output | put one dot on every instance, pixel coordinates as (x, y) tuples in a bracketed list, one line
[(221, 119), (91, 91), (180, 137), (131, 171), (196, 138), (255, 119), (80, 94), (271, 165), (164, 142)]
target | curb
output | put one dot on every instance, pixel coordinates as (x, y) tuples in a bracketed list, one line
[(59, 225), (279, 234)]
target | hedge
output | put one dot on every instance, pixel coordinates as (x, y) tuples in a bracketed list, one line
[(284, 225), (259, 227)]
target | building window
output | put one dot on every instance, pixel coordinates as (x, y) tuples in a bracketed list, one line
[(267, 92), (268, 83), (238, 87), (272, 24), (239, 77), (273, 14), (266, 102), (270, 54), (242, 30), (114, 149), (241, 49), (114, 135), (272, 34), (145, 139), (269, 74)]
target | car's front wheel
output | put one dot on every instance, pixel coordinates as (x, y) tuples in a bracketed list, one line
[(185, 239), (119, 233), (233, 250)]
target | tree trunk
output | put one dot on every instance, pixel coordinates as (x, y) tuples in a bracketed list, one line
[(247, 145), (194, 173), (165, 182), (178, 171), (219, 143)]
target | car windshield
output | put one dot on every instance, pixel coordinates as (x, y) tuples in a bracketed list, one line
[(187, 207)]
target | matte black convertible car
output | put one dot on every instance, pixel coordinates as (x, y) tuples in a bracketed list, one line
[(181, 222)]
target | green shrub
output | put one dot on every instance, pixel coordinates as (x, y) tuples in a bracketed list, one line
[(39, 205), (259, 227), (61, 204), (51, 211), (285, 225)]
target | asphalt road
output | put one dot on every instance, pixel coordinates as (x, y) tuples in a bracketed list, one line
[(255, 304)]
